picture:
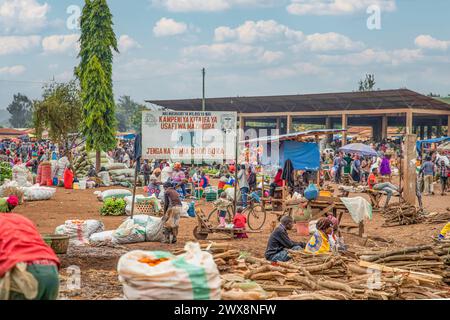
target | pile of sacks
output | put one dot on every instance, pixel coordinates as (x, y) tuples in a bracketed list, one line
[(140, 228), (113, 193), (79, 231), (22, 176), (156, 275), (84, 160), (31, 192)]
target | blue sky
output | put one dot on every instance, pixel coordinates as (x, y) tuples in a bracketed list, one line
[(249, 47)]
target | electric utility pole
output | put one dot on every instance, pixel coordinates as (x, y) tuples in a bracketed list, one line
[(203, 100)]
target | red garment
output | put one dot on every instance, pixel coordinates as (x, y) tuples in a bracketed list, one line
[(372, 181), (240, 221), (221, 185), (21, 242), (68, 178), (231, 168), (278, 179)]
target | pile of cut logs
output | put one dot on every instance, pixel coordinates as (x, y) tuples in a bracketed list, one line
[(429, 259), (402, 214), (328, 276)]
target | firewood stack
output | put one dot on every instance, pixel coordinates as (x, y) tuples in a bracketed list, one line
[(442, 249), (329, 277), (402, 214)]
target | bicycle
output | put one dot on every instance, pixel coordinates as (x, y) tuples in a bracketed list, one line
[(255, 212)]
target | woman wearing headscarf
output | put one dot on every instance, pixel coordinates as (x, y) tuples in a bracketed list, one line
[(319, 242)]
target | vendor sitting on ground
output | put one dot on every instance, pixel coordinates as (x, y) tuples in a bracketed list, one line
[(444, 232), (319, 242), (8, 204), (387, 187), (28, 266), (172, 212), (279, 242)]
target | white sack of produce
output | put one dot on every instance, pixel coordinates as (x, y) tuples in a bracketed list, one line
[(101, 238), (184, 210), (113, 193), (106, 180), (147, 275), (62, 163), (79, 231), (122, 172), (22, 175), (129, 232), (38, 193), (115, 166)]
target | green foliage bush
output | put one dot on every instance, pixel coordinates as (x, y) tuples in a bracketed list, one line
[(113, 207)]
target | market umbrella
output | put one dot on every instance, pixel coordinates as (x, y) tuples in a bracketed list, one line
[(359, 148)]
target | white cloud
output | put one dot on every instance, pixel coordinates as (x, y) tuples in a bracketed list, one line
[(336, 7), (209, 5), (127, 43), (328, 42), (428, 42), (371, 56), (252, 31), (13, 71), (18, 44), (297, 69), (271, 56), (60, 43), (169, 27), (224, 52), (23, 15)]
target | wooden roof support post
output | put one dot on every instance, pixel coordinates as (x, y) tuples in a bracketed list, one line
[(289, 124), (409, 169), (448, 127), (344, 126), (409, 122), (384, 127)]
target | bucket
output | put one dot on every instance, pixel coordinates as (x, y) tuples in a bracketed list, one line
[(59, 243), (55, 181), (302, 228), (83, 184), (76, 186)]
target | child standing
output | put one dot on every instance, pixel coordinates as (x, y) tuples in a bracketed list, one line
[(222, 206), (240, 222)]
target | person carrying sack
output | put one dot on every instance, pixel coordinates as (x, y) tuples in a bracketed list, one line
[(172, 212)]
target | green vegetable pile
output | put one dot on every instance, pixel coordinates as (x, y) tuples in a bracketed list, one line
[(211, 171), (113, 207), (5, 171)]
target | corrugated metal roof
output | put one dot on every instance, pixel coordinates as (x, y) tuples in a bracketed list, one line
[(372, 100)]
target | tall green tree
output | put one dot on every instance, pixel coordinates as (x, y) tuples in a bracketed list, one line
[(368, 84), (98, 123), (97, 43), (59, 112), (21, 111)]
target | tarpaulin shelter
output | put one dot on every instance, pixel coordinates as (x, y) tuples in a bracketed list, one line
[(422, 143), (302, 148)]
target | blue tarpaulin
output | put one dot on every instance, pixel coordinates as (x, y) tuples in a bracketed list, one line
[(436, 140), (304, 155)]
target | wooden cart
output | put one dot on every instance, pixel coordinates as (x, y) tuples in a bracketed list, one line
[(204, 228)]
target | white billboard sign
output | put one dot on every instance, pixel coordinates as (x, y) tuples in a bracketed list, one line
[(188, 136)]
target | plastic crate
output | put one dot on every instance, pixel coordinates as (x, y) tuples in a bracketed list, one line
[(210, 197)]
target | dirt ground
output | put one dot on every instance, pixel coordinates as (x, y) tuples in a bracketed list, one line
[(99, 279)]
